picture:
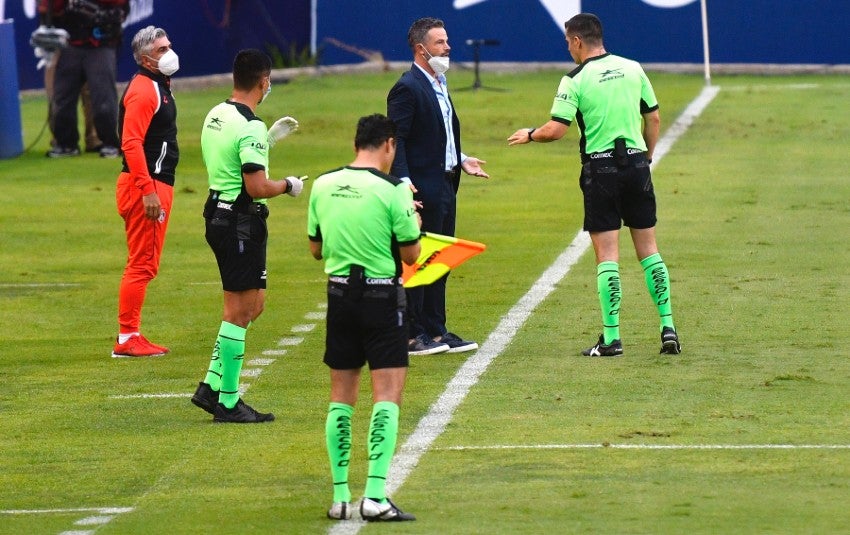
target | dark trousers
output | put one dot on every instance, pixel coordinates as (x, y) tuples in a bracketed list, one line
[(75, 67), (426, 305)]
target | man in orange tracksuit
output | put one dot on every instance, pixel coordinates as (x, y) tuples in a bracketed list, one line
[(148, 124)]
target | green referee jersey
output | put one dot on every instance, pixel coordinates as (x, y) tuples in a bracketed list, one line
[(233, 141), (361, 215), (606, 96)]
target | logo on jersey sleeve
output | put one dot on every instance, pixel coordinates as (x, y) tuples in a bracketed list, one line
[(215, 124)]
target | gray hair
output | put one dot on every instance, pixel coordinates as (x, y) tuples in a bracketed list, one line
[(143, 41)]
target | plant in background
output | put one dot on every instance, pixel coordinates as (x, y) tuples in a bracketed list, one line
[(293, 56)]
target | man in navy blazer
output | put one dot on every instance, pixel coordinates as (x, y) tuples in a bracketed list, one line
[(429, 157)]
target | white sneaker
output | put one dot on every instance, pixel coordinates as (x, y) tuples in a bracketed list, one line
[(340, 511), (373, 511)]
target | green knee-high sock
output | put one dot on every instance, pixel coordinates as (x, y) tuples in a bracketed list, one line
[(231, 351), (383, 432), (213, 377), (608, 285), (338, 438), (658, 283)]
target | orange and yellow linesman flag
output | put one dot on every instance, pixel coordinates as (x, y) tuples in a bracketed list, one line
[(439, 255)]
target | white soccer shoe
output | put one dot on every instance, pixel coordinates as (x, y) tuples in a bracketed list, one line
[(373, 511), (340, 511)]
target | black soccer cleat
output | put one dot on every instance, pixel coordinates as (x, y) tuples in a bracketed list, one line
[(614, 349), (241, 413), (670, 342), (375, 511), (205, 397)]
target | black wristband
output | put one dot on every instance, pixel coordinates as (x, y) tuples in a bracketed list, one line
[(288, 185), (531, 131)]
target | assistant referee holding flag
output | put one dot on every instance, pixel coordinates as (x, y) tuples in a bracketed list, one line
[(613, 102), (362, 221)]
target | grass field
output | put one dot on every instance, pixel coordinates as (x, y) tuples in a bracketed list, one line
[(747, 431)]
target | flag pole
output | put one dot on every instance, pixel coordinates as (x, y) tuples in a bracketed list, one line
[(314, 9), (706, 62)]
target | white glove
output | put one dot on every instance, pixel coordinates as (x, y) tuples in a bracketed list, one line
[(281, 128), (43, 56), (294, 185)]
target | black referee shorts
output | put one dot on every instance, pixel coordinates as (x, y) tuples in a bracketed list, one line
[(368, 328), (616, 196), (239, 243)]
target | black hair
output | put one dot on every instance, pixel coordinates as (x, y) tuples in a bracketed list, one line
[(587, 26), (373, 131), (249, 67)]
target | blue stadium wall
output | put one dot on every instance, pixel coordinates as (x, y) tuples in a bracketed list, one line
[(207, 33), (741, 31)]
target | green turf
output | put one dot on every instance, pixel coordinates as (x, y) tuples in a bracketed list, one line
[(752, 216)]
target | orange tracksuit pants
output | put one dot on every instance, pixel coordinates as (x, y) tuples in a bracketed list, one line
[(145, 239)]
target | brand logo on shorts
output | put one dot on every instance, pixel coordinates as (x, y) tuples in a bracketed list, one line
[(600, 155)]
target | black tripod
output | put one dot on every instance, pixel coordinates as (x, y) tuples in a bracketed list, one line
[(476, 56)]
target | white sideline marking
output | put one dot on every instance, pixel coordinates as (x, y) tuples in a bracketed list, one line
[(314, 316), (293, 341), (651, 447), (104, 516), (164, 395), (683, 122), (307, 327), (250, 372), (274, 353), (93, 520), (101, 510), (440, 414), (260, 362)]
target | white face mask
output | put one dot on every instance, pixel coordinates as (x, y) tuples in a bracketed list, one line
[(168, 63), (267, 93), (440, 64)]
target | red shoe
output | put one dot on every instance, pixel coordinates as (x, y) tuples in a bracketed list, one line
[(137, 346), (148, 342)]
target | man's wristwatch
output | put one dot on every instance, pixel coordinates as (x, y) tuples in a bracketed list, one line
[(531, 131)]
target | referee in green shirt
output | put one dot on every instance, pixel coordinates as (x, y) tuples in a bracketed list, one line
[(235, 147), (613, 103), (363, 223)]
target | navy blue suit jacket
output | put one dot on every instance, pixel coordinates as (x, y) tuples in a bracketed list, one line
[(420, 134)]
